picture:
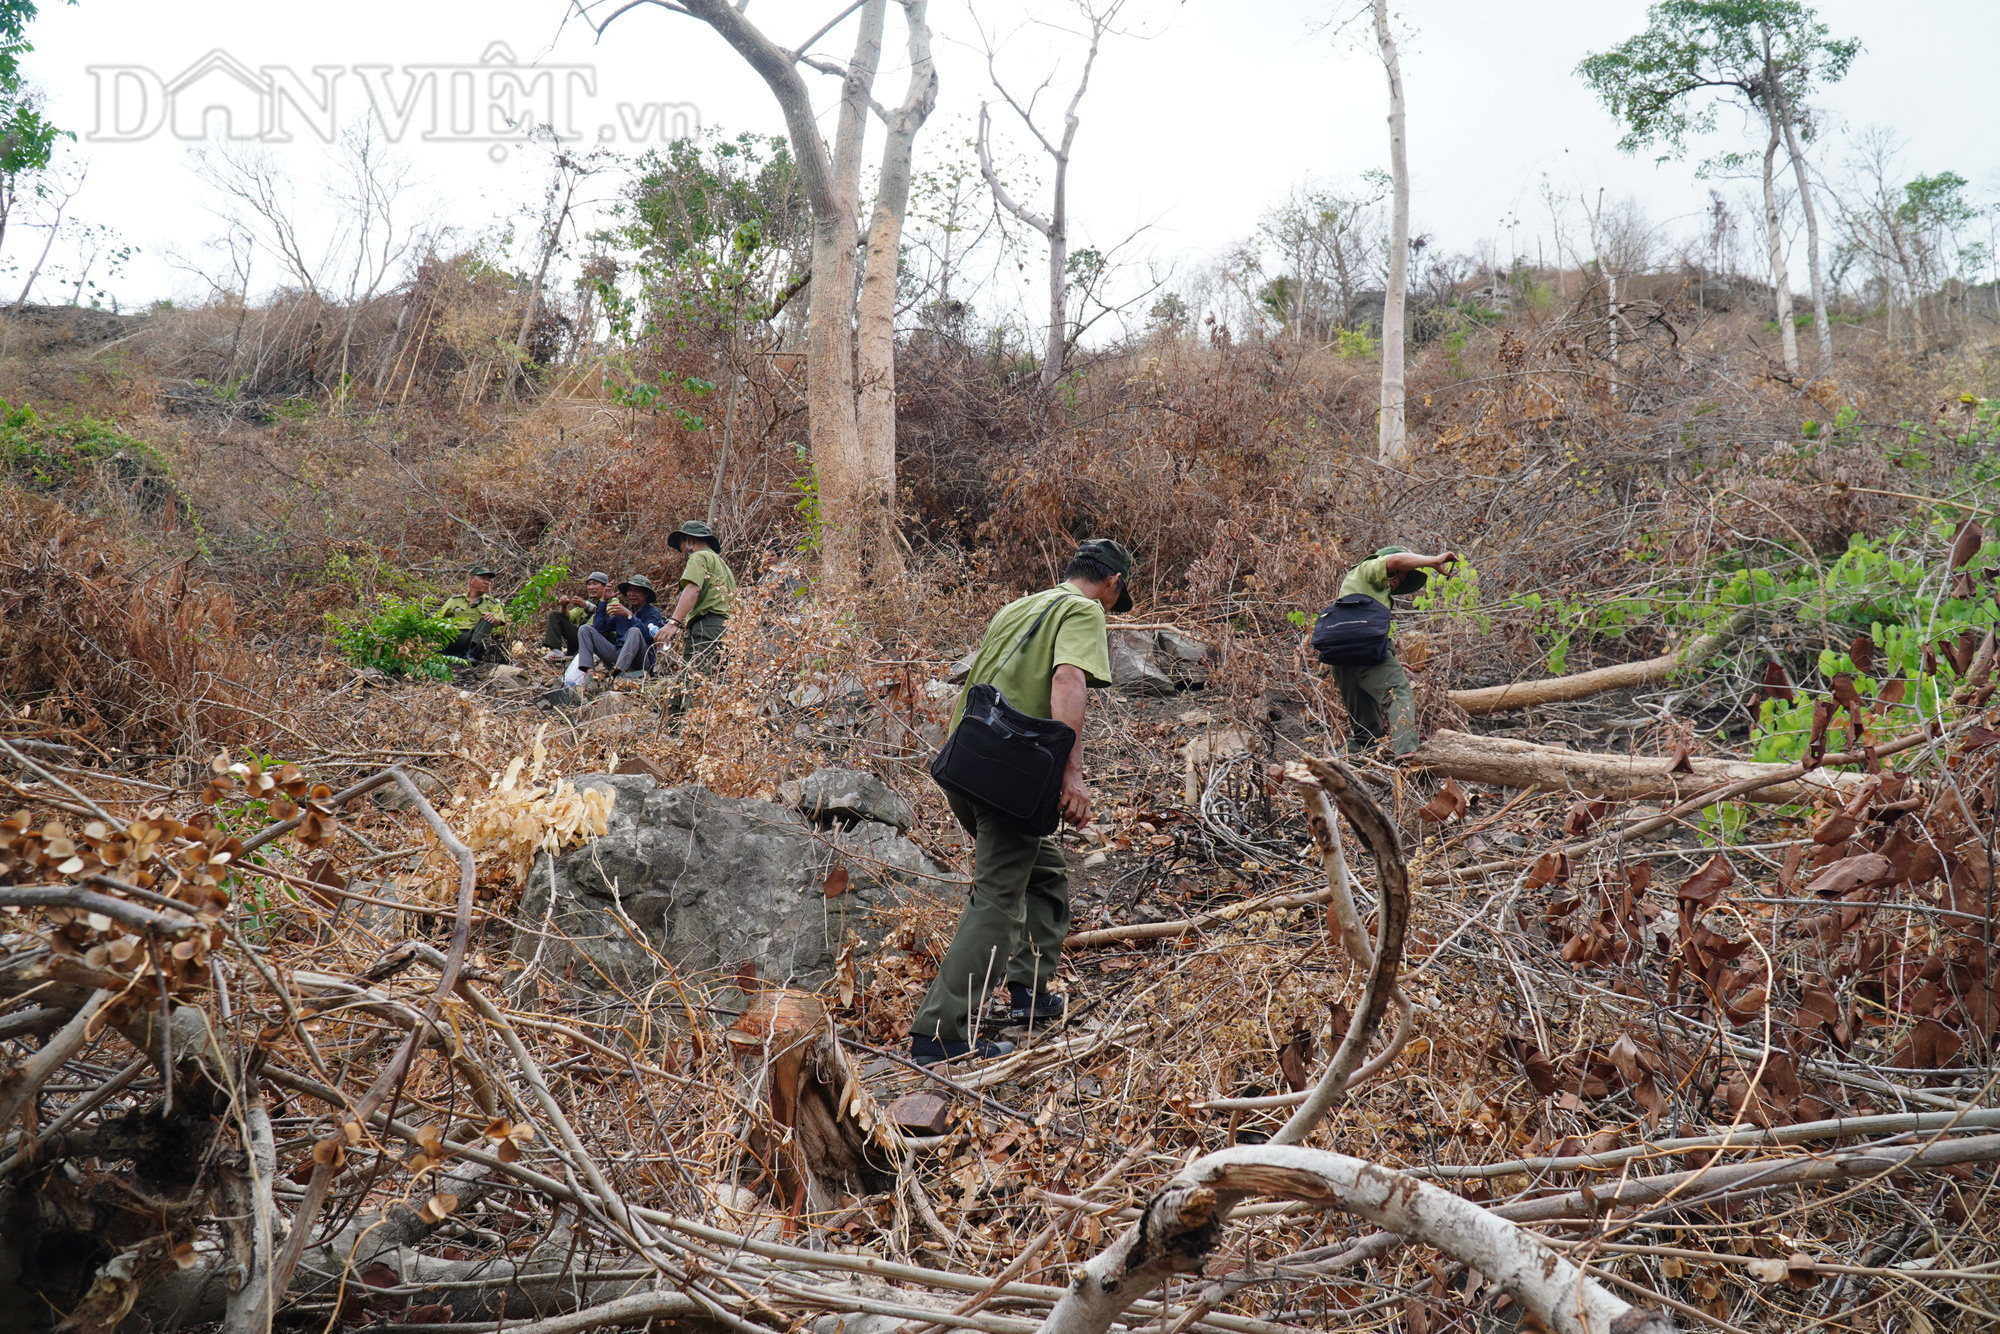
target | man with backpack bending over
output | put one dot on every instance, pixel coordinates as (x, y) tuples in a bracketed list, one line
[(1352, 637), (1041, 652)]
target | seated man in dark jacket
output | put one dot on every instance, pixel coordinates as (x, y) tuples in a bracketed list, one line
[(619, 634)]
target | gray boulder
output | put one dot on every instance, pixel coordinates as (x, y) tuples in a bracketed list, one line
[(1135, 664), (709, 883), (1156, 662), (847, 796)]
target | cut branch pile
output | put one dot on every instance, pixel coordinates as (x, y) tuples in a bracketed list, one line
[(232, 1102)]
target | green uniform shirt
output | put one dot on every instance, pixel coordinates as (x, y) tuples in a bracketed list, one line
[(1371, 577), (705, 570), (1073, 634), (463, 612)]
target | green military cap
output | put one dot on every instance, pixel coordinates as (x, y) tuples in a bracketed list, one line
[(693, 528), (1112, 554), (482, 572)]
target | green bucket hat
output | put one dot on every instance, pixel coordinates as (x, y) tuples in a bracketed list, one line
[(1107, 552), (639, 581), (1412, 581), (693, 528)]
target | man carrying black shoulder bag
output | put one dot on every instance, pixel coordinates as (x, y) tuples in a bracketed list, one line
[(1011, 768)]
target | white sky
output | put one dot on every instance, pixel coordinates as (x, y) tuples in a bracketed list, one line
[(1194, 132)]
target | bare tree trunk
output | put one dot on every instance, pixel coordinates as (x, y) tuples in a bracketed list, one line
[(1815, 271), (1505, 762), (1391, 444), (551, 242), (1055, 227), (1774, 239), (831, 183), (1621, 676), (875, 339)]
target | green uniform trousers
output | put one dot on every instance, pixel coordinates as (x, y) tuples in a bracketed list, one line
[(1370, 693), (700, 640), (1011, 931), (701, 655)]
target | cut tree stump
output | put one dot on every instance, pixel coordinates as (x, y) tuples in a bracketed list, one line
[(1557, 689), (811, 1139), (1503, 762)]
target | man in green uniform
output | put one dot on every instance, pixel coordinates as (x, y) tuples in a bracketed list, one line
[(707, 590), (1013, 928), (559, 631), (477, 617), (1373, 693)]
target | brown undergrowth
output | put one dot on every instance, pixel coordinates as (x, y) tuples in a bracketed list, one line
[(546, 1148)]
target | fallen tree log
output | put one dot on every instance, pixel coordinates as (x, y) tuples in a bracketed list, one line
[(1582, 685), (1503, 762)]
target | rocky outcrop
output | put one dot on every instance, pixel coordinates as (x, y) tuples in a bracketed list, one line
[(1156, 662), (707, 884), (846, 797)]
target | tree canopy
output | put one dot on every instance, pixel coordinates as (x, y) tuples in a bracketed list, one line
[(1748, 52)]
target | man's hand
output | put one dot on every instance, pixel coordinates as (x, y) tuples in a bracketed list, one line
[(494, 617), (616, 608), (668, 629), (1446, 560), (1074, 803)]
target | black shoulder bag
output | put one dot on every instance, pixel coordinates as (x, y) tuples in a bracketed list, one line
[(1353, 632), (1005, 760)]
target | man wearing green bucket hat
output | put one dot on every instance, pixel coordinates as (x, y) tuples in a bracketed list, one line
[(1382, 691), (708, 588)]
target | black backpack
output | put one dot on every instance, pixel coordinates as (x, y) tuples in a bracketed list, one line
[(1353, 632)]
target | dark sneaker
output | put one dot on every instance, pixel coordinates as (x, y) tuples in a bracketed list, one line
[(930, 1051), (1037, 1007)]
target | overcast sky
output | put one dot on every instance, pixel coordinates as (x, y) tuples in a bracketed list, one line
[(1191, 132)]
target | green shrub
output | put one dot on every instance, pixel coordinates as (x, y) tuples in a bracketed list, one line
[(1355, 344), (401, 636), (534, 596), (45, 455)]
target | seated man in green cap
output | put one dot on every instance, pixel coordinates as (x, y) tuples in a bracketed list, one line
[(477, 617), (572, 612), (707, 590), (1382, 690), (1042, 652)]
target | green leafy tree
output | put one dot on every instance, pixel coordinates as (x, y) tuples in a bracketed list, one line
[(1907, 238), (717, 227), (1767, 57), (27, 138)]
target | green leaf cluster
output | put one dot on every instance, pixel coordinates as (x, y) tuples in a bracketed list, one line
[(533, 597), (399, 635)]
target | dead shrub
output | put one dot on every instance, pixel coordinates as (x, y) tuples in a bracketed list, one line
[(94, 640)]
